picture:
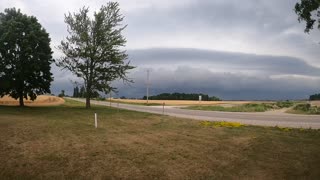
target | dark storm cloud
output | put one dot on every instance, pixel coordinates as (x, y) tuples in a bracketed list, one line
[(224, 85), (175, 70), (266, 64)]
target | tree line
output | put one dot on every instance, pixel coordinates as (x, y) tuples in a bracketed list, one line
[(182, 96), (314, 97)]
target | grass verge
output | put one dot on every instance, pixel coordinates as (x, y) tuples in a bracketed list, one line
[(305, 108), (250, 107), (62, 143)]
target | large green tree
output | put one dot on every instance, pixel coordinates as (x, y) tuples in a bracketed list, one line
[(25, 56), (308, 11), (94, 48)]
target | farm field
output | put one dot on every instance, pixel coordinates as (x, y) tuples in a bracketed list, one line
[(60, 142), (178, 102), (42, 100), (315, 103)]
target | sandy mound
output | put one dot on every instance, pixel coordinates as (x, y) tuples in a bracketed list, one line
[(42, 100)]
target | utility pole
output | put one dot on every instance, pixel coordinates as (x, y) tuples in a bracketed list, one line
[(148, 84)]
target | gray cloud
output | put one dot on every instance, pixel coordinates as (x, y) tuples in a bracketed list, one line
[(249, 14), (250, 26), (209, 58), (224, 85), (175, 70)]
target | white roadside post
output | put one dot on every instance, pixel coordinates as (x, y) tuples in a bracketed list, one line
[(200, 99), (95, 120), (163, 108)]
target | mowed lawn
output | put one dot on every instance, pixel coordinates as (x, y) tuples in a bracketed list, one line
[(61, 143)]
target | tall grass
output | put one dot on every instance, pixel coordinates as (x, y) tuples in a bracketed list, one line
[(251, 107), (306, 109)]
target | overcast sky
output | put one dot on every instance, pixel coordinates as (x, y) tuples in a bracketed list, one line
[(249, 49)]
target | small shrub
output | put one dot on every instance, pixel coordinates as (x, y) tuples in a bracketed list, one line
[(307, 108), (100, 98), (302, 107), (251, 107), (284, 104), (314, 110)]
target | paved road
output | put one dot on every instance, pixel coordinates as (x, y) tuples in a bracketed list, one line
[(263, 119)]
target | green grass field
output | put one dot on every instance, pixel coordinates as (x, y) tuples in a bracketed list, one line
[(62, 143)]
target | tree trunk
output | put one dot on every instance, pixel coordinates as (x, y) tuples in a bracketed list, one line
[(88, 95), (21, 101), (88, 102)]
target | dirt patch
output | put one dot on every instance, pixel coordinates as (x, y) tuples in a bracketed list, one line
[(42, 100)]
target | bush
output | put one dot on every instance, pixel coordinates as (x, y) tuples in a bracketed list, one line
[(61, 94), (284, 104), (257, 107), (302, 107), (314, 110), (307, 108)]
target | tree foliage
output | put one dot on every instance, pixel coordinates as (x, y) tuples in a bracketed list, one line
[(62, 93), (314, 97), (182, 96), (75, 92), (308, 10), (93, 50), (82, 93), (25, 56)]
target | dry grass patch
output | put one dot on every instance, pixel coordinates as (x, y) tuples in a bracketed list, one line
[(315, 103), (62, 143), (42, 100)]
